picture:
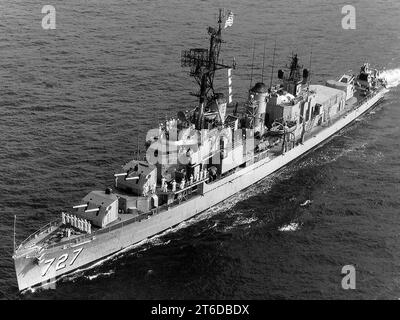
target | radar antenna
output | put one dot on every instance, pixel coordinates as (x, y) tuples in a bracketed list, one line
[(203, 64)]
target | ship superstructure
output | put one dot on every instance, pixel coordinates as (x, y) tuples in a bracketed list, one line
[(198, 159)]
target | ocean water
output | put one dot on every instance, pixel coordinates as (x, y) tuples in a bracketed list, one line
[(73, 102)]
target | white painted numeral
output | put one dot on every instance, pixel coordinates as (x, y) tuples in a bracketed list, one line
[(49, 263), (77, 252), (60, 263)]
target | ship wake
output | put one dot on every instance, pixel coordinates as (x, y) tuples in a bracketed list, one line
[(101, 274), (392, 76)]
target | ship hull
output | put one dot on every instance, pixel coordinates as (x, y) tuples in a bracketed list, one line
[(61, 260)]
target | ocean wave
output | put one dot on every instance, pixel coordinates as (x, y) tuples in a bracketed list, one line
[(294, 226), (240, 222)]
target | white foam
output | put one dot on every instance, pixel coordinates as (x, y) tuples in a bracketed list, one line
[(100, 274), (290, 227), (305, 203), (392, 77), (240, 222)]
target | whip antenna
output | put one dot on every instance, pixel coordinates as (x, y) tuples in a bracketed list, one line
[(273, 66), (262, 73), (15, 219), (252, 64), (137, 146), (309, 73)]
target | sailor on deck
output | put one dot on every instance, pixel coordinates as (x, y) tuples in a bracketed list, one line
[(164, 186), (74, 221), (173, 185), (182, 185)]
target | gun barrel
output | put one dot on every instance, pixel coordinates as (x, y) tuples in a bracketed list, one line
[(80, 206)]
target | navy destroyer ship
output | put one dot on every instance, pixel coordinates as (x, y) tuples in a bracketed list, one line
[(198, 159)]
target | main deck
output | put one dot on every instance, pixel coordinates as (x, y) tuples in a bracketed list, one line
[(54, 234)]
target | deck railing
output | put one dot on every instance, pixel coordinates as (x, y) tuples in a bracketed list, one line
[(141, 216), (115, 226), (40, 231), (118, 225)]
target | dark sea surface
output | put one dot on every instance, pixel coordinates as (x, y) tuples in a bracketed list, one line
[(73, 101)]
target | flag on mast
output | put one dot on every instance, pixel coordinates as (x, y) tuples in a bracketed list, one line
[(229, 20)]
